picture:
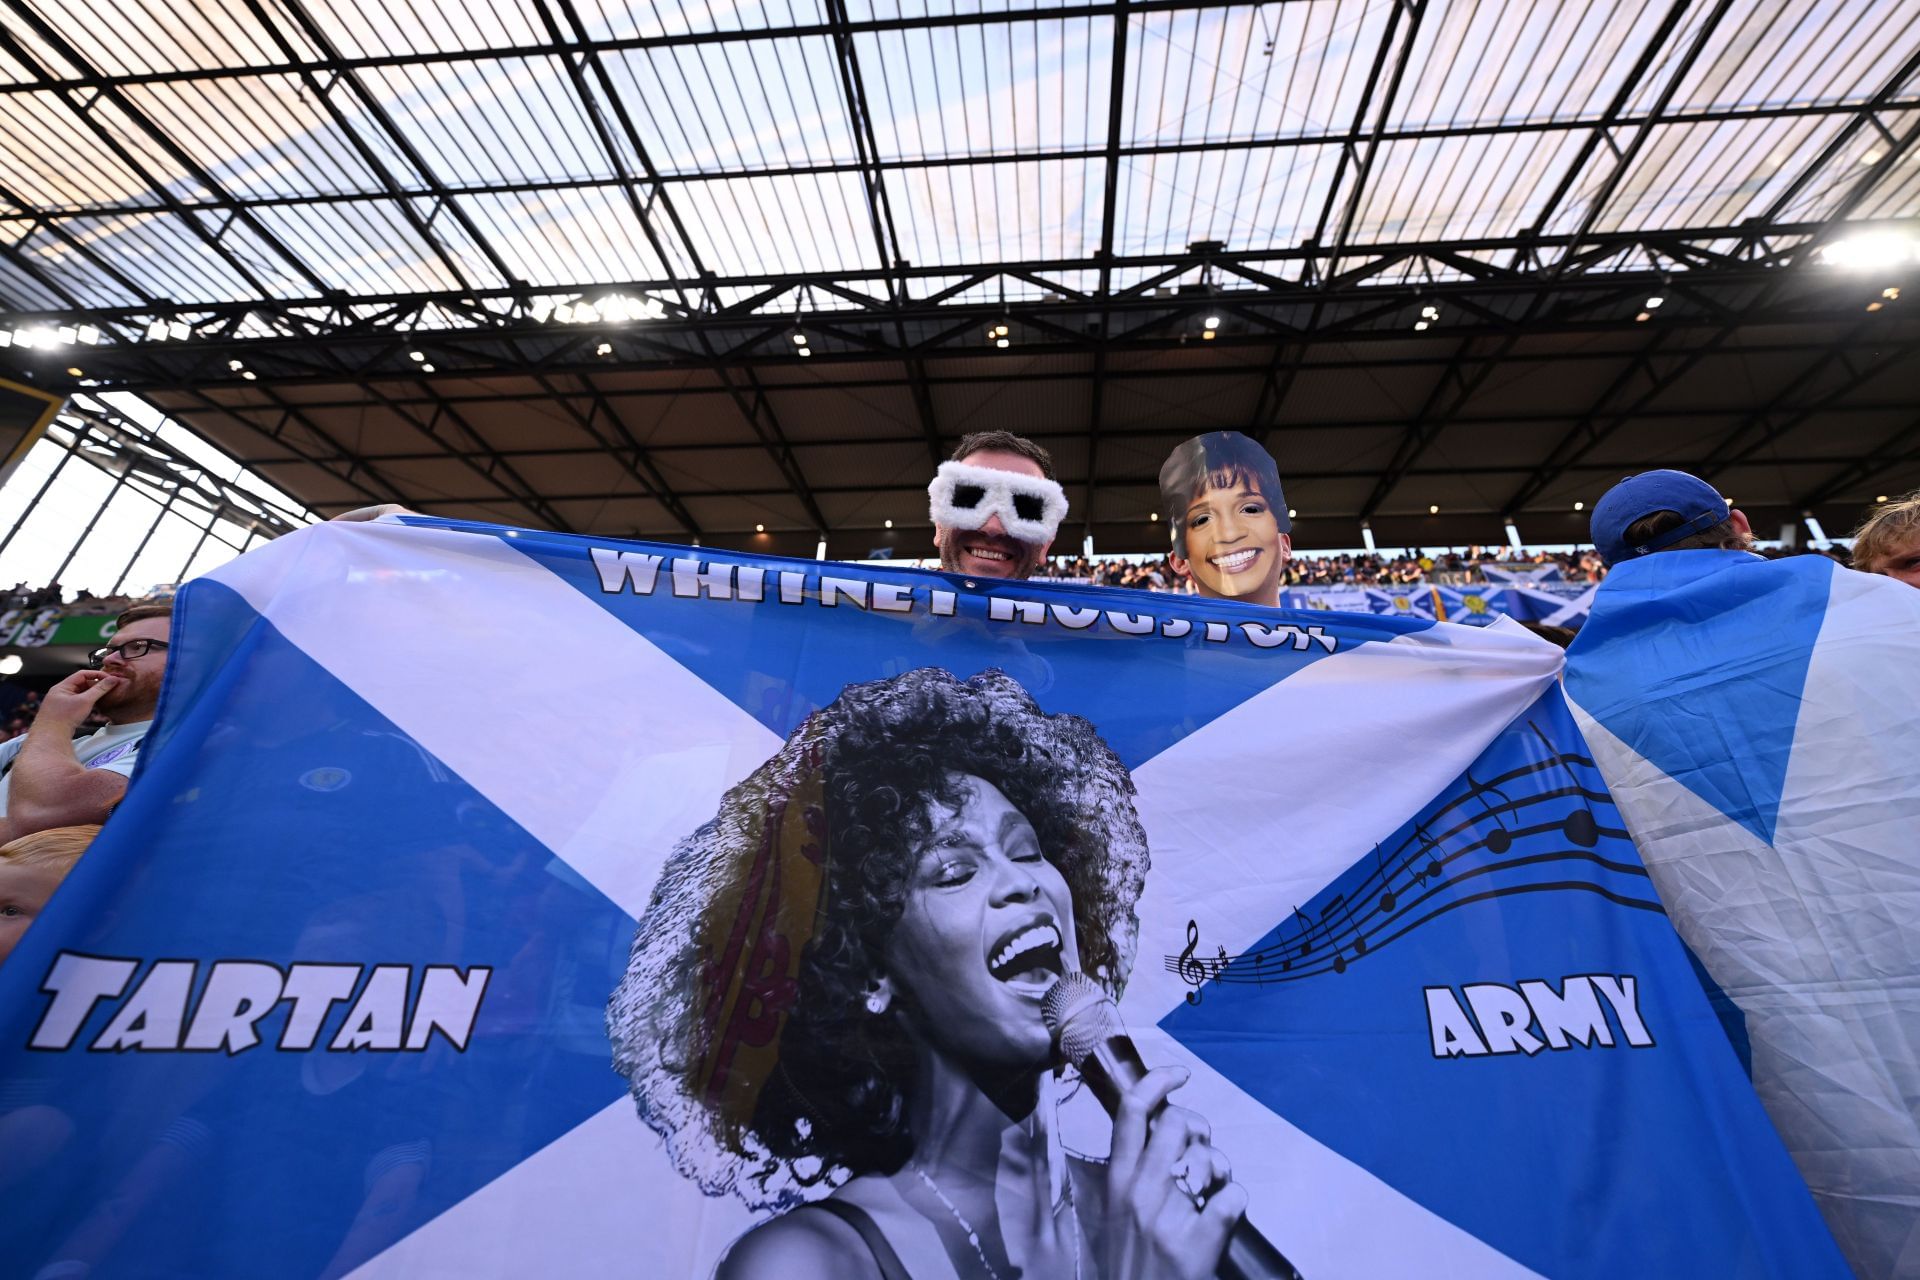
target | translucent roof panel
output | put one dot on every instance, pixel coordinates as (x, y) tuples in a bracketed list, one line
[(1788, 53), (177, 258), (1484, 63), (957, 214), (577, 237), (1014, 88), (1710, 175), (512, 120), (1897, 194), (357, 29), (622, 19), (1463, 188), (1289, 70), (1249, 198), (341, 152), (763, 226), (371, 247), (140, 37), (263, 138), (52, 158), (760, 104)]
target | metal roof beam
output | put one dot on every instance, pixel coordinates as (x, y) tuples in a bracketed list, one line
[(633, 457), (1623, 159), (886, 234), (322, 93), (1109, 199), (1168, 266), (1901, 447), (1491, 129), (752, 400), (1771, 423)]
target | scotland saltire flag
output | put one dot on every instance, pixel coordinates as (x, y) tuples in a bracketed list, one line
[(484, 906), (1759, 724)]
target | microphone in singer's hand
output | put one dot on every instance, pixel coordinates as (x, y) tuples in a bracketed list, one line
[(1088, 1033)]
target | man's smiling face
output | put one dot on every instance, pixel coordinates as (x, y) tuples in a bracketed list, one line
[(990, 551)]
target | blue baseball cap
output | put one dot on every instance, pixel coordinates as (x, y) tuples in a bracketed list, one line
[(1698, 504)]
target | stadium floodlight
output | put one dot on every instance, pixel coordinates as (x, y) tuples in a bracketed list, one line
[(1872, 249), (89, 335), (179, 331), (11, 664), (157, 331)]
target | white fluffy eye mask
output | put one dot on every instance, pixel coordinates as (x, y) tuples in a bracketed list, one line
[(963, 497)]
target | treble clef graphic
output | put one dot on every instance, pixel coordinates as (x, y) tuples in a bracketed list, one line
[(1192, 972)]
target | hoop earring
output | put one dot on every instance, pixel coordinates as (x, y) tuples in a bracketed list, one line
[(877, 1002)]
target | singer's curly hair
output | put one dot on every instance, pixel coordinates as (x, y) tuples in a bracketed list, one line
[(834, 1106)]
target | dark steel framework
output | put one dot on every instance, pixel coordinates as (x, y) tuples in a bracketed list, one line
[(178, 273)]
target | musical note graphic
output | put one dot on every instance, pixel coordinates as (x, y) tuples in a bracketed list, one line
[(1500, 839), (1338, 902), (1508, 834), (1581, 826), (1192, 972), (1306, 938)]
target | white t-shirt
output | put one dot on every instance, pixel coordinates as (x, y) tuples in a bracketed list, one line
[(114, 747)]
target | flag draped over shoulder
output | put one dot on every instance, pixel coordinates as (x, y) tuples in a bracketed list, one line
[(331, 994), (1759, 725)]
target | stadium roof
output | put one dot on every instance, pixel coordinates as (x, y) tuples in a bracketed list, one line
[(552, 261)]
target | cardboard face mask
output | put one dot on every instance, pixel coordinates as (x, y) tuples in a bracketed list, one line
[(964, 497)]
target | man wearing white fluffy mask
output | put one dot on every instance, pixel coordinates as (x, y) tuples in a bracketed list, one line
[(996, 506)]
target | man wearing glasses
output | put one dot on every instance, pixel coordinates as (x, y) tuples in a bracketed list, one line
[(48, 778)]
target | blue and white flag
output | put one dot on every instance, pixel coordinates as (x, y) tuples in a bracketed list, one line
[(493, 903), (1495, 571), (1554, 604), (1759, 725)]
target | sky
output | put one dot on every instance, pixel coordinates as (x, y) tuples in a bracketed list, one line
[(44, 547)]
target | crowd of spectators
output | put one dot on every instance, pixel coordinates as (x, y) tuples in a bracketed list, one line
[(54, 596), (1452, 567), (22, 596)]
